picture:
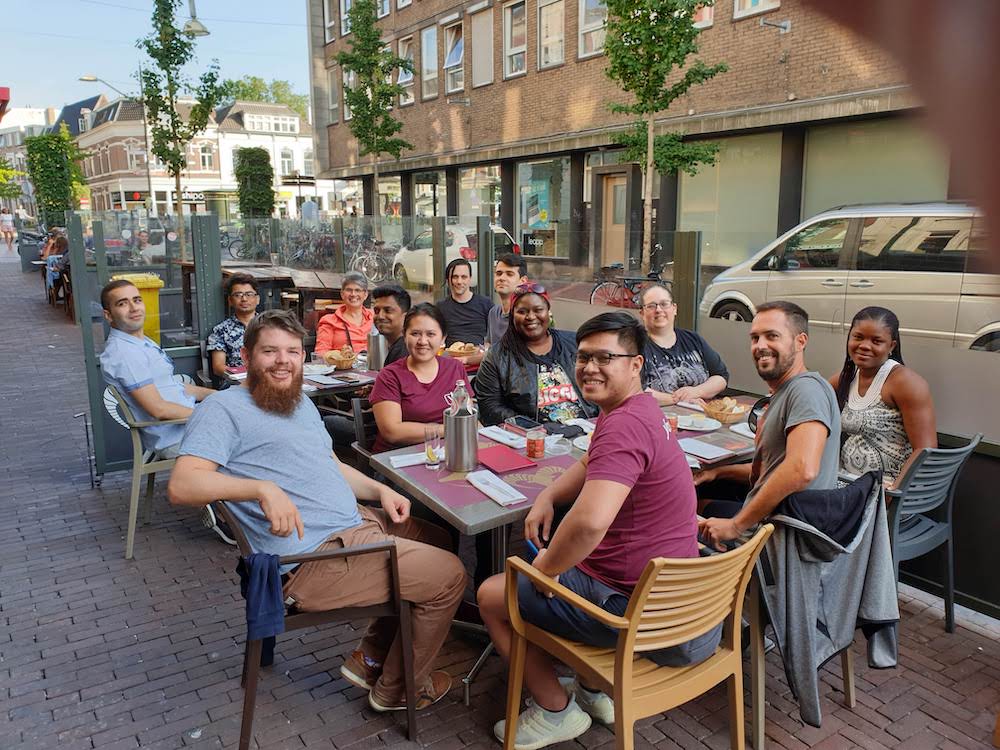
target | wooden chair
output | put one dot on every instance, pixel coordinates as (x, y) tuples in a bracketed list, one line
[(365, 431), (673, 602), (144, 463), (294, 619), (929, 484)]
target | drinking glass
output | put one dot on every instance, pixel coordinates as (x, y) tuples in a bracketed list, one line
[(432, 446)]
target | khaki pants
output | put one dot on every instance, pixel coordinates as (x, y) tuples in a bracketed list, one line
[(430, 577)]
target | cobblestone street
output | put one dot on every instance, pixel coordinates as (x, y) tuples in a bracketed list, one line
[(100, 652)]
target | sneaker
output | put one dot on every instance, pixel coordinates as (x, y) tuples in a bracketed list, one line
[(359, 672), (535, 730), (216, 524), (598, 706), (434, 689)]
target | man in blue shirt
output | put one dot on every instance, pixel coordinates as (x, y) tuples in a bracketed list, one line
[(142, 372)]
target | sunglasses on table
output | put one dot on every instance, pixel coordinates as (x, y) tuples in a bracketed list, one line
[(756, 412)]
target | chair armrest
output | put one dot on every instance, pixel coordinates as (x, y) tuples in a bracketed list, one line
[(551, 586), (155, 422), (893, 494), (333, 554)]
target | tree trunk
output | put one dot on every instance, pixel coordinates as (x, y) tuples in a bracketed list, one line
[(647, 195), (377, 209), (179, 212)]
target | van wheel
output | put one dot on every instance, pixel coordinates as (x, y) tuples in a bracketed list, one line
[(401, 278), (733, 311)]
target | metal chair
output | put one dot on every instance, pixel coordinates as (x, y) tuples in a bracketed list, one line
[(144, 463), (365, 431), (396, 606), (929, 484), (673, 602)]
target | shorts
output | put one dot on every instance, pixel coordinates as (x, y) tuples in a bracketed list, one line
[(563, 619)]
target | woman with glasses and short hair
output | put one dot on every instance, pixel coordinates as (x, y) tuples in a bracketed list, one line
[(350, 323), (531, 372), (679, 364), (226, 339)]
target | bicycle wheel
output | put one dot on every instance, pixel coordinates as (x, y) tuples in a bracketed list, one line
[(370, 266), (236, 249), (608, 293)]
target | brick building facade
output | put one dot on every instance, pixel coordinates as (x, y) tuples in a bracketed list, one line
[(808, 115)]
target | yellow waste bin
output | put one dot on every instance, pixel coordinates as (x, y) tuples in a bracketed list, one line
[(149, 285)]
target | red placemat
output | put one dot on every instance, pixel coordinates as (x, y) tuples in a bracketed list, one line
[(452, 489)]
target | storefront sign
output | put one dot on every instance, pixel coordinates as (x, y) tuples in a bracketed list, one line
[(188, 196)]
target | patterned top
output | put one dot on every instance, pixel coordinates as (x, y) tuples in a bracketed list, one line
[(689, 362), (874, 431), (227, 337)]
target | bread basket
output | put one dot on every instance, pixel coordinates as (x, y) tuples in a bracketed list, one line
[(339, 359), (727, 413)]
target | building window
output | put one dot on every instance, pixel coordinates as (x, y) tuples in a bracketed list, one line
[(704, 16), (286, 124), (287, 161), (405, 77), (207, 161), (307, 162), (402, 3), (330, 19), (382, 8), (429, 63), (236, 152), (743, 8), (550, 33), (481, 29), (543, 208), (515, 39), (333, 94), (345, 21), (593, 16), (349, 77), (454, 59), (479, 195)]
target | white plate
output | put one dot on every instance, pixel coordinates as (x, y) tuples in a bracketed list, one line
[(582, 443), (698, 424), (316, 368)]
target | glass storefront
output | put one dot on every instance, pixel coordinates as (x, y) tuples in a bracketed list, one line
[(345, 199), (734, 203), (884, 161), (543, 208), (390, 193), (479, 193), (430, 194)]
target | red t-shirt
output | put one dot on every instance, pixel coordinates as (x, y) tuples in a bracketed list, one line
[(420, 402), (632, 446)]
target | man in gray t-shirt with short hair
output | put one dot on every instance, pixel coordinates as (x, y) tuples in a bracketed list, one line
[(263, 449), (798, 432)]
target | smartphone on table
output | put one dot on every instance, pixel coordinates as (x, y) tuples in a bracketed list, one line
[(520, 425)]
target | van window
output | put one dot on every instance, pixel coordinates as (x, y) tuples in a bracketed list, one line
[(914, 243), (817, 246)]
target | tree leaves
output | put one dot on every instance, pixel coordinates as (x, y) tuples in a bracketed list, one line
[(10, 187), (54, 167), (256, 89), (255, 177)]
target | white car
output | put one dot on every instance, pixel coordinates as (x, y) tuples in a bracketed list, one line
[(413, 263), (924, 261)]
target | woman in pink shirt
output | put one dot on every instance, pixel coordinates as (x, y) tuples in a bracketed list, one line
[(410, 393), (351, 322)]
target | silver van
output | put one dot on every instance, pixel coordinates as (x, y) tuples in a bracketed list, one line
[(924, 261)]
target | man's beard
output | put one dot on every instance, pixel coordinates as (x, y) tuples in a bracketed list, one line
[(783, 363), (281, 400)]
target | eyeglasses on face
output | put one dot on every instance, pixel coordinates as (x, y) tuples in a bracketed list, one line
[(651, 306), (244, 295), (602, 359), (756, 412), (529, 289)]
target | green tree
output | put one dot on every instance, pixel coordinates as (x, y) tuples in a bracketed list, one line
[(256, 89), (54, 167), (371, 64), (171, 128), (10, 187), (255, 178), (646, 41)]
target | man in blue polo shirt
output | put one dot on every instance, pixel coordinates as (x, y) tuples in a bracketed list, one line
[(141, 370)]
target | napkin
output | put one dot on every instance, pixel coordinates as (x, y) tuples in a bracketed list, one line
[(494, 487), (691, 405), (584, 424), (707, 451), (407, 459), (742, 428), (500, 435)]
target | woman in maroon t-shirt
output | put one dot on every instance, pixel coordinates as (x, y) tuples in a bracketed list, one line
[(410, 393)]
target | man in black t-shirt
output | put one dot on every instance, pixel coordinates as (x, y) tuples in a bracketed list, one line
[(466, 312)]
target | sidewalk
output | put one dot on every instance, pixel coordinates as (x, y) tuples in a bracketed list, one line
[(100, 652)]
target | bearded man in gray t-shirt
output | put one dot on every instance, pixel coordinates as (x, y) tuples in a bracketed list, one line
[(798, 431)]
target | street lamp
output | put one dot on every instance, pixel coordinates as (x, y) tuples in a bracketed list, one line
[(194, 27), (151, 198)]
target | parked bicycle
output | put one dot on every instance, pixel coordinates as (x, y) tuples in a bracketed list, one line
[(373, 259), (614, 289)]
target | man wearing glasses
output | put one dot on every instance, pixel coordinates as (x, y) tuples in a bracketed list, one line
[(797, 428), (632, 500), (226, 339)]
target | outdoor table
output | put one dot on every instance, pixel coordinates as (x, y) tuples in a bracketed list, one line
[(469, 511), (321, 389)]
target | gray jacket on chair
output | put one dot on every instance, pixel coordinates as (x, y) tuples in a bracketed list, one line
[(817, 592), (505, 387)]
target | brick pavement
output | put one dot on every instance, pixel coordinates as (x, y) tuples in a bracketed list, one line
[(97, 652)]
